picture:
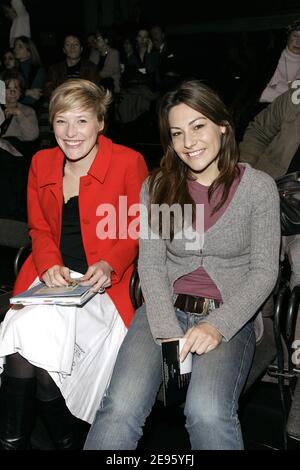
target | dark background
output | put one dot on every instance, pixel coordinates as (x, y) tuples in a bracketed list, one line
[(52, 18), (197, 29), (224, 43)]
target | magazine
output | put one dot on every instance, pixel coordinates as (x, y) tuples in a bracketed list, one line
[(73, 294), (176, 374)]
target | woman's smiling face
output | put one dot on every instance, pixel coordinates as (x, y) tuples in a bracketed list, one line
[(196, 140), (76, 132)]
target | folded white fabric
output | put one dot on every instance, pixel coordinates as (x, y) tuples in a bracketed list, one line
[(76, 345)]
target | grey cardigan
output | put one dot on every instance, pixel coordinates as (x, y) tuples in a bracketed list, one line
[(240, 253)]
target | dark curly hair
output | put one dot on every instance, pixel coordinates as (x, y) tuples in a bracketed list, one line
[(295, 26)]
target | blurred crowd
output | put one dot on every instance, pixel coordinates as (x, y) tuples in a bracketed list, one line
[(138, 65)]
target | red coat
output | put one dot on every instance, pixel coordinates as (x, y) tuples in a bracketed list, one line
[(116, 171)]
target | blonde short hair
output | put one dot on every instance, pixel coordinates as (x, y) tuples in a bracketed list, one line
[(79, 93)]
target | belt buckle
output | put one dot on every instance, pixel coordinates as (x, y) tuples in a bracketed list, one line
[(206, 305)]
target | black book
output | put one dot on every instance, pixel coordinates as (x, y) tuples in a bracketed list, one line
[(176, 374)]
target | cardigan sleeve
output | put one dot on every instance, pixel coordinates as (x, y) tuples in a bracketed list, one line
[(155, 282), (264, 226)]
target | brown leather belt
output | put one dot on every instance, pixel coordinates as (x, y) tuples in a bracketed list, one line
[(196, 305)]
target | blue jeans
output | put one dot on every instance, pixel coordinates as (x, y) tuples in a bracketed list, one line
[(211, 404)]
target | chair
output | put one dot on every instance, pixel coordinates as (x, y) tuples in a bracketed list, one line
[(13, 235)]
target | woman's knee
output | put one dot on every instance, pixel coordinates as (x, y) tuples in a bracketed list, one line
[(139, 356), (127, 407), (206, 411), (17, 366), (132, 391)]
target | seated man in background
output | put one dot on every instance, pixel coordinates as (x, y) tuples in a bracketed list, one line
[(271, 143), (168, 68), (73, 66)]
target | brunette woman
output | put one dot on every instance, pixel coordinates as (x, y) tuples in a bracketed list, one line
[(207, 291)]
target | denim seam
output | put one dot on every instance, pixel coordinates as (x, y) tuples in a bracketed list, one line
[(237, 382)]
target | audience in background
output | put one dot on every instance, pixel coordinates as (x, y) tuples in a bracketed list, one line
[(19, 134), (277, 58), (108, 63), (9, 62), (168, 69), (74, 66), (288, 67), (21, 124), (127, 56), (145, 60), (31, 68), (92, 51), (271, 143), (16, 12), (136, 97)]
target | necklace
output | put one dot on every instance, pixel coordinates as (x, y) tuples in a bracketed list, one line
[(289, 82)]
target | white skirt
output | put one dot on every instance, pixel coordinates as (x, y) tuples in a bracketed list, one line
[(78, 346)]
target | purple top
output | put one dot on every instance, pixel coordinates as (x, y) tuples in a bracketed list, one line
[(198, 282)]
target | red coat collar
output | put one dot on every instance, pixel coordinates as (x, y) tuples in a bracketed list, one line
[(101, 164), (53, 164)]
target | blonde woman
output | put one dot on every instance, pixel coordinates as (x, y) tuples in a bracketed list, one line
[(66, 354)]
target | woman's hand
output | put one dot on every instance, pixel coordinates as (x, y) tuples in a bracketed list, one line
[(12, 111), (149, 46), (98, 275), (200, 339), (57, 276), (35, 93)]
